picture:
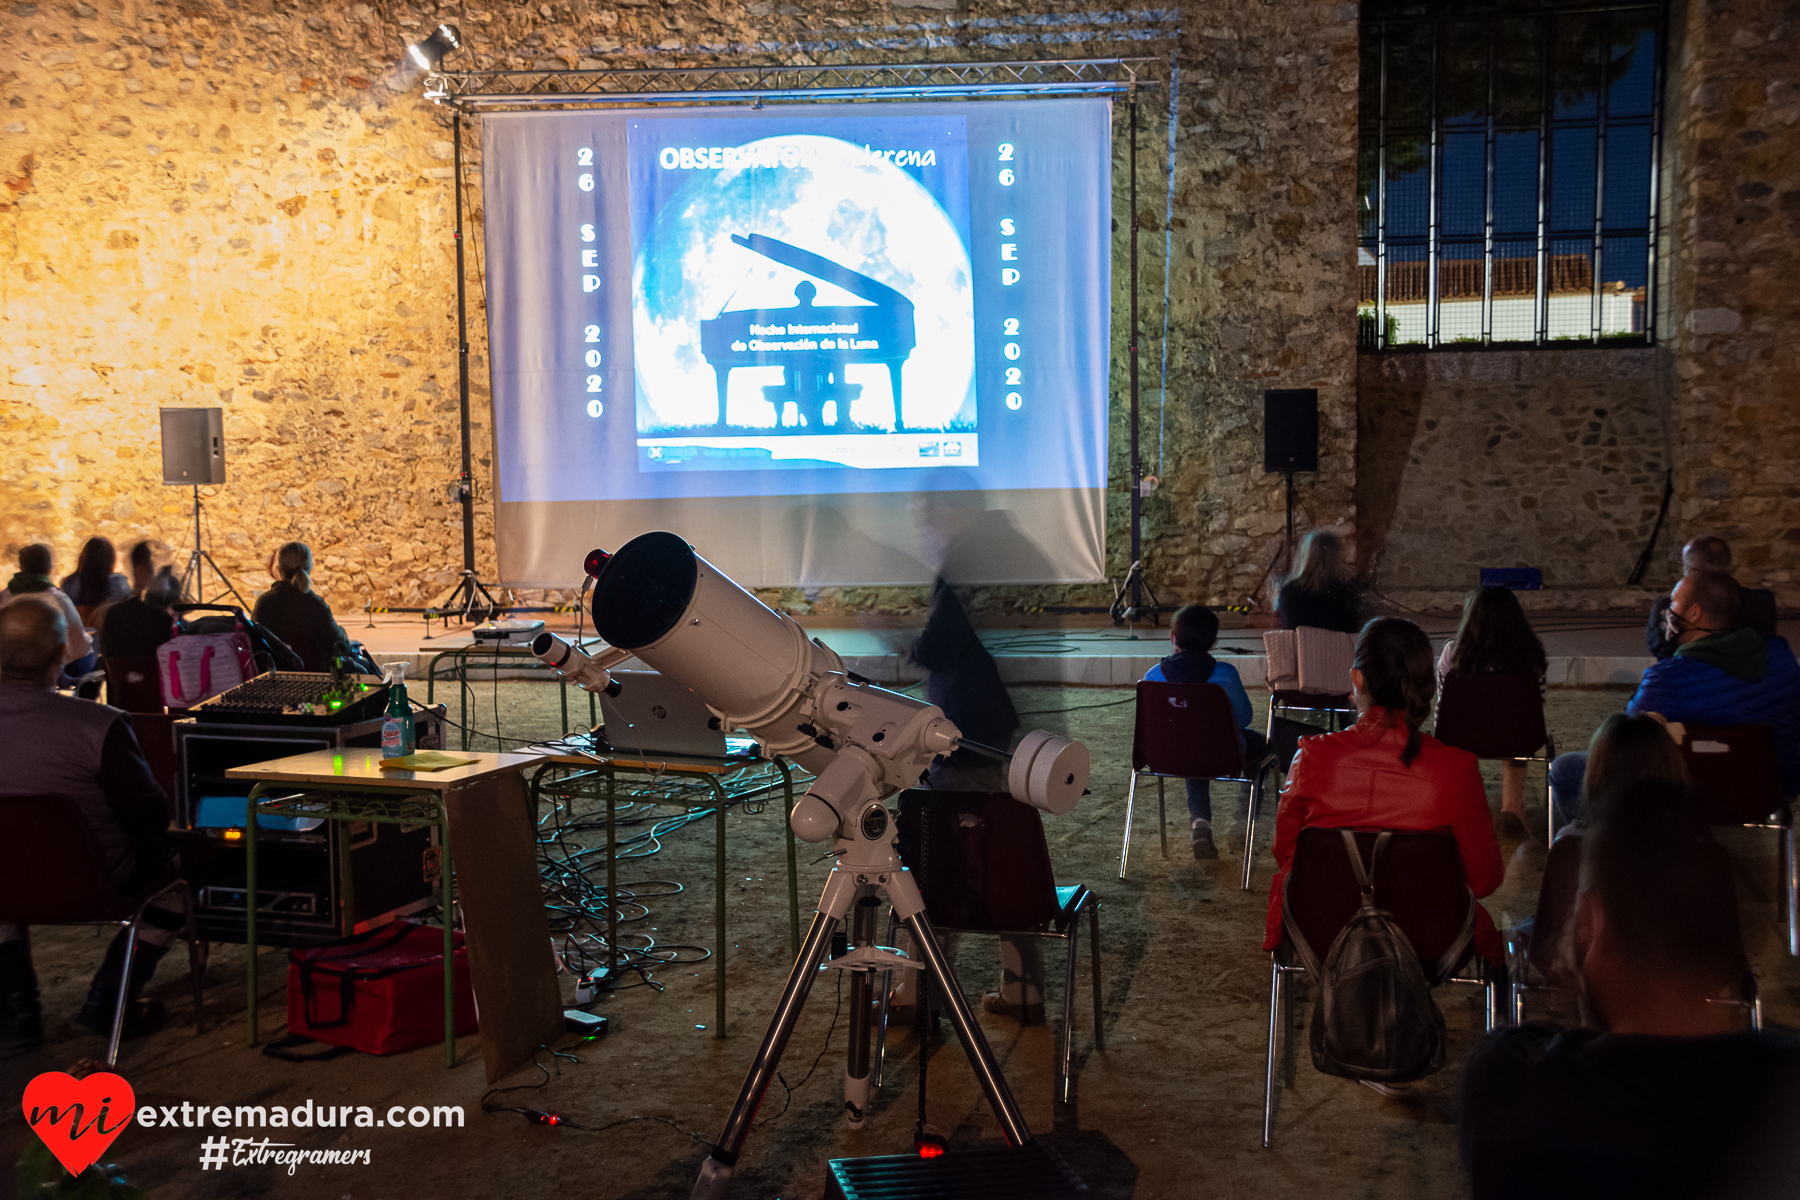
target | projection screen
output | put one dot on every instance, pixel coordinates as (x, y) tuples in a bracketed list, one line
[(828, 344)]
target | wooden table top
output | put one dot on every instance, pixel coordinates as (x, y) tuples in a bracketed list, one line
[(361, 765)]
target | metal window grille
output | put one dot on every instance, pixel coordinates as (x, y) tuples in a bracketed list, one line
[(1507, 173)]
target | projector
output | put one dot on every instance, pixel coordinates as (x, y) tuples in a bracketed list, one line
[(508, 633)]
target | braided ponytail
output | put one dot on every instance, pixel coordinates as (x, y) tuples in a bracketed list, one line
[(1394, 657)]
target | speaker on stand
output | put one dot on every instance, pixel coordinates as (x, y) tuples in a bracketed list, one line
[(1290, 445), (193, 453)]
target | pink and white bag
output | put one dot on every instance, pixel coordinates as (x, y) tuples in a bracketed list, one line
[(197, 666)]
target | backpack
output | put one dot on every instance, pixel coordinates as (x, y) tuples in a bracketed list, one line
[(1374, 1017)]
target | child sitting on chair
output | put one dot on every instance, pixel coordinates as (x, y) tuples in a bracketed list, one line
[(1193, 632)]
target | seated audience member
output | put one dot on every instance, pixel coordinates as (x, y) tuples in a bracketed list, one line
[(1382, 773), (1319, 593), (1720, 674), (1627, 753), (137, 625), (1662, 1100), (1709, 554), (1193, 632), (1495, 635), (58, 745), (33, 578), (295, 613), (94, 582)]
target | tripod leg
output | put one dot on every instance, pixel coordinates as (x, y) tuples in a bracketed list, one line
[(981, 1055), (716, 1171), (856, 1068)]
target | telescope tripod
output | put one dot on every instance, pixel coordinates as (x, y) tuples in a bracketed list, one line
[(868, 866)]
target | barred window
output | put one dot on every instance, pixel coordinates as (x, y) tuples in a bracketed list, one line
[(1507, 172)]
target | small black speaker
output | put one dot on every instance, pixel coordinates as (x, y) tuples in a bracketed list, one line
[(193, 445), (1291, 429)]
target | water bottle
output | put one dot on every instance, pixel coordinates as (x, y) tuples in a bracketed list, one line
[(398, 737)]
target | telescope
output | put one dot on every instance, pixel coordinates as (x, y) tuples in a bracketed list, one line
[(655, 599)]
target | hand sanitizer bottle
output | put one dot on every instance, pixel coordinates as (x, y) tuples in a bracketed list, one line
[(398, 737)]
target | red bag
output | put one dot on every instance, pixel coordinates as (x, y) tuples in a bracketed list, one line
[(380, 992)]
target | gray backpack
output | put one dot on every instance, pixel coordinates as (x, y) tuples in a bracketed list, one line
[(1374, 1017)]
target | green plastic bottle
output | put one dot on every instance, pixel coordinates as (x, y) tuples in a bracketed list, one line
[(398, 737)]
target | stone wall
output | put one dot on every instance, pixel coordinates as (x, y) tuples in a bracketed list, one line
[(1553, 459), (1734, 121), (247, 204)]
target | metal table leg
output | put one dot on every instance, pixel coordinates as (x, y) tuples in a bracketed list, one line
[(718, 906), (250, 912), (793, 867), (612, 882), (449, 923)]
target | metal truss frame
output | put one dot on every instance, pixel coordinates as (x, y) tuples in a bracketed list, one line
[(758, 85)]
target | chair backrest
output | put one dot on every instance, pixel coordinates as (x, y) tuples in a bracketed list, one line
[(1492, 714), (51, 871), (1732, 773), (1551, 928), (132, 683), (155, 734), (1186, 729), (979, 858), (1419, 881)]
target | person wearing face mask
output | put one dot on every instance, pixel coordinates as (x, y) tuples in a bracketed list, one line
[(1722, 673)]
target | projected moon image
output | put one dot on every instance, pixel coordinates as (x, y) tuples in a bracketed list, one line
[(864, 214)]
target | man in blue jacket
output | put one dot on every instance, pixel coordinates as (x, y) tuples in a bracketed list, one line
[(1193, 632), (1722, 673)]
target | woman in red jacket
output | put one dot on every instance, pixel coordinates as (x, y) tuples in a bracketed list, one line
[(1385, 774)]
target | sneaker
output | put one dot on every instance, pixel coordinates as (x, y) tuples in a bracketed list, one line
[(1024, 1014), (1201, 833)]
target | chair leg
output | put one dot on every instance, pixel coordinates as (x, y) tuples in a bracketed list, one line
[(1094, 969), (1065, 1058), (196, 964), (118, 1028), (1276, 984), (1793, 892), (1130, 801), (1256, 785), (1162, 815)]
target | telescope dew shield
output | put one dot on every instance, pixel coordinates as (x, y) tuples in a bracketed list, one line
[(682, 616)]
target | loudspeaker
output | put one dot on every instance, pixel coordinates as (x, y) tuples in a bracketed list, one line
[(1291, 429), (193, 445)]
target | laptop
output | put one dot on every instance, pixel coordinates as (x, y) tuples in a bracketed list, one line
[(653, 714)]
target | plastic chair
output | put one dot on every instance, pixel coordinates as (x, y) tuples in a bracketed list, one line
[(1419, 883), (992, 875), (1498, 714), (1186, 731), (52, 873), (131, 682), (1538, 959), (1735, 779)]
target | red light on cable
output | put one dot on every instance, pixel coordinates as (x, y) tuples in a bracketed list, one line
[(929, 1146), (595, 562)]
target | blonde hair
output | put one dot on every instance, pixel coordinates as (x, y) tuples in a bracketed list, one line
[(1319, 564), (294, 561)]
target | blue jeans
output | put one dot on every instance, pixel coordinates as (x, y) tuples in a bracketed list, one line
[(1199, 797), (1566, 776)]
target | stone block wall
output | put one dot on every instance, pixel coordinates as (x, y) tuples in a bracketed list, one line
[(1553, 459), (1734, 122), (246, 203)]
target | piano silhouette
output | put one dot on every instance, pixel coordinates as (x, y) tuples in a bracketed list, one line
[(812, 344)]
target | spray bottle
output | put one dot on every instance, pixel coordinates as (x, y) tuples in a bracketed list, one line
[(397, 734)]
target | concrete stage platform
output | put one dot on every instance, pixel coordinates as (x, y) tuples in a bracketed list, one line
[(1585, 650)]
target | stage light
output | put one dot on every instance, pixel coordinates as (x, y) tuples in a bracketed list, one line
[(430, 53)]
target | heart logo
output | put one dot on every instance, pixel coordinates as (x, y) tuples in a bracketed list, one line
[(78, 1118)]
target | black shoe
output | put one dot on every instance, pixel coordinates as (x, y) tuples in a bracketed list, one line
[(1201, 833), (21, 1020), (141, 1016)]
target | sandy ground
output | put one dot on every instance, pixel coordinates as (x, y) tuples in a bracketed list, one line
[(1171, 1107)]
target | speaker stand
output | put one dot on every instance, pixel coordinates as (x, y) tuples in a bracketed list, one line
[(1283, 562), (197, 563), (1128, 605)]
